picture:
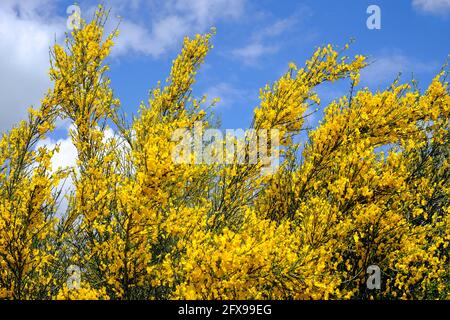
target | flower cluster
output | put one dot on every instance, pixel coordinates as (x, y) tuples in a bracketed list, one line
[(369, 187)]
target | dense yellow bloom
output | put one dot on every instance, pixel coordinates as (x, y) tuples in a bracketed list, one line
[(369, 187), (28, 233)]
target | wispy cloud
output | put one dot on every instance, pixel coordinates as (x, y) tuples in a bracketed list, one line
[(277, 28), (263, 42), (251, 53), (386, 67), (27, 30), (169, 22), (165, 34), (435, 7), (228, 94)]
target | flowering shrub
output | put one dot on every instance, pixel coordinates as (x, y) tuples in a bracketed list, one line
[(369, 187)]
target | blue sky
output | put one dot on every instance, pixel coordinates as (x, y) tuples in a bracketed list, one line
[(254, 48), (255, 41)]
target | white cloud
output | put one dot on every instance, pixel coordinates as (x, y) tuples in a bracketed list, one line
[(206, 12), (385, 68), (253, 51), (277, 28), (436, 7), (27, 30), (171, 21), (227, 93), (258, 47), (164, 36), (66, 157)]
